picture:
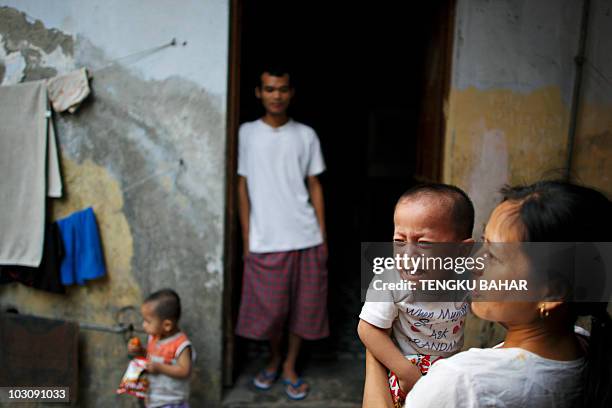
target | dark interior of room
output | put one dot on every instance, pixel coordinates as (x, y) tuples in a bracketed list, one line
[(359, 73)]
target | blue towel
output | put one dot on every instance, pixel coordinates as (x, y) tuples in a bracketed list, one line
[(83, 258)]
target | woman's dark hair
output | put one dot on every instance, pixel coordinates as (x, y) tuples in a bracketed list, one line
[(557, 211)]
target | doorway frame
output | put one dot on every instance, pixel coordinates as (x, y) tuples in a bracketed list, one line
[(230, 250), (430, 150), (430, 144)]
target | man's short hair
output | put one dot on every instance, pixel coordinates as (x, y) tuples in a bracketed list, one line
[(167, 304), (274, 69), (461, 207)]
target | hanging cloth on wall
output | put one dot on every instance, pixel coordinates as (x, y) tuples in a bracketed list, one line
[(29, 171), (47, 276), (83, 257), (67, 91)]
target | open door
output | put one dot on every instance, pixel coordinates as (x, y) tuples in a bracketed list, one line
[(372, 81)]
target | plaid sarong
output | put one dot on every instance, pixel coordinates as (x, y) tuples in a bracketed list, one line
[(281, 288)]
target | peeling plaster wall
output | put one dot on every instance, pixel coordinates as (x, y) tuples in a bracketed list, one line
[(147, 151), (509, 103)]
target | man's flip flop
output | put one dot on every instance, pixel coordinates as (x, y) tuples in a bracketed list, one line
[(268, 380), (294, 395)]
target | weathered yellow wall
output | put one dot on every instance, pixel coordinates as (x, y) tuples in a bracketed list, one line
[(533, 127), (496, 137), (509, 104), (499, 136)]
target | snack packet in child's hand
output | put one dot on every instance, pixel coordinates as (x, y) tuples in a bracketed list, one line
[(135, 341), (134, 381)]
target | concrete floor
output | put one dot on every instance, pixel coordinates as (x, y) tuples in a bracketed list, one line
[(334, 383)]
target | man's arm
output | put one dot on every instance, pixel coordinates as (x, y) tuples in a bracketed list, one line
[(381, 346), (244, 209), (316, 197)]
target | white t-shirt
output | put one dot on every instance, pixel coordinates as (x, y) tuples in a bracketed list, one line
[(510, 377), (276, 162), (428, 328)]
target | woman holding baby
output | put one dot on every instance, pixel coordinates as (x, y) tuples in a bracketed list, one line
[(543, 362)]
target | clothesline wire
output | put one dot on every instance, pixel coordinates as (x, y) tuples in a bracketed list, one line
[(154, 175), (136, 55)]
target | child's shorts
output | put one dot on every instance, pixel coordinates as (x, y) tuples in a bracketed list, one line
[(423, 362)]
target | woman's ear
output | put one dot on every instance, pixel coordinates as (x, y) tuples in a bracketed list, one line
[(556, 290), (545, 308)]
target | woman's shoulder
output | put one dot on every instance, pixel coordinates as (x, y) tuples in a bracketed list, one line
[(478, 377), (478, 356), (477, 360)]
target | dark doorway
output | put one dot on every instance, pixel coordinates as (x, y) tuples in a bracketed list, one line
[(371, 80)]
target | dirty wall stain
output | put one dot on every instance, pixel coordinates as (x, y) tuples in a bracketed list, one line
[(500, 136), (534, 126)]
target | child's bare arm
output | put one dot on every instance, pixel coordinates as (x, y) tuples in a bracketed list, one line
[(182, 368), (381, 346)]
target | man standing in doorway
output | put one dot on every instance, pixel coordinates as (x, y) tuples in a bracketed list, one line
[(280, 199)]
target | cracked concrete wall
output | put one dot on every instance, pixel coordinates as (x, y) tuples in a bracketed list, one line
[(147, 151), (509, 103)]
